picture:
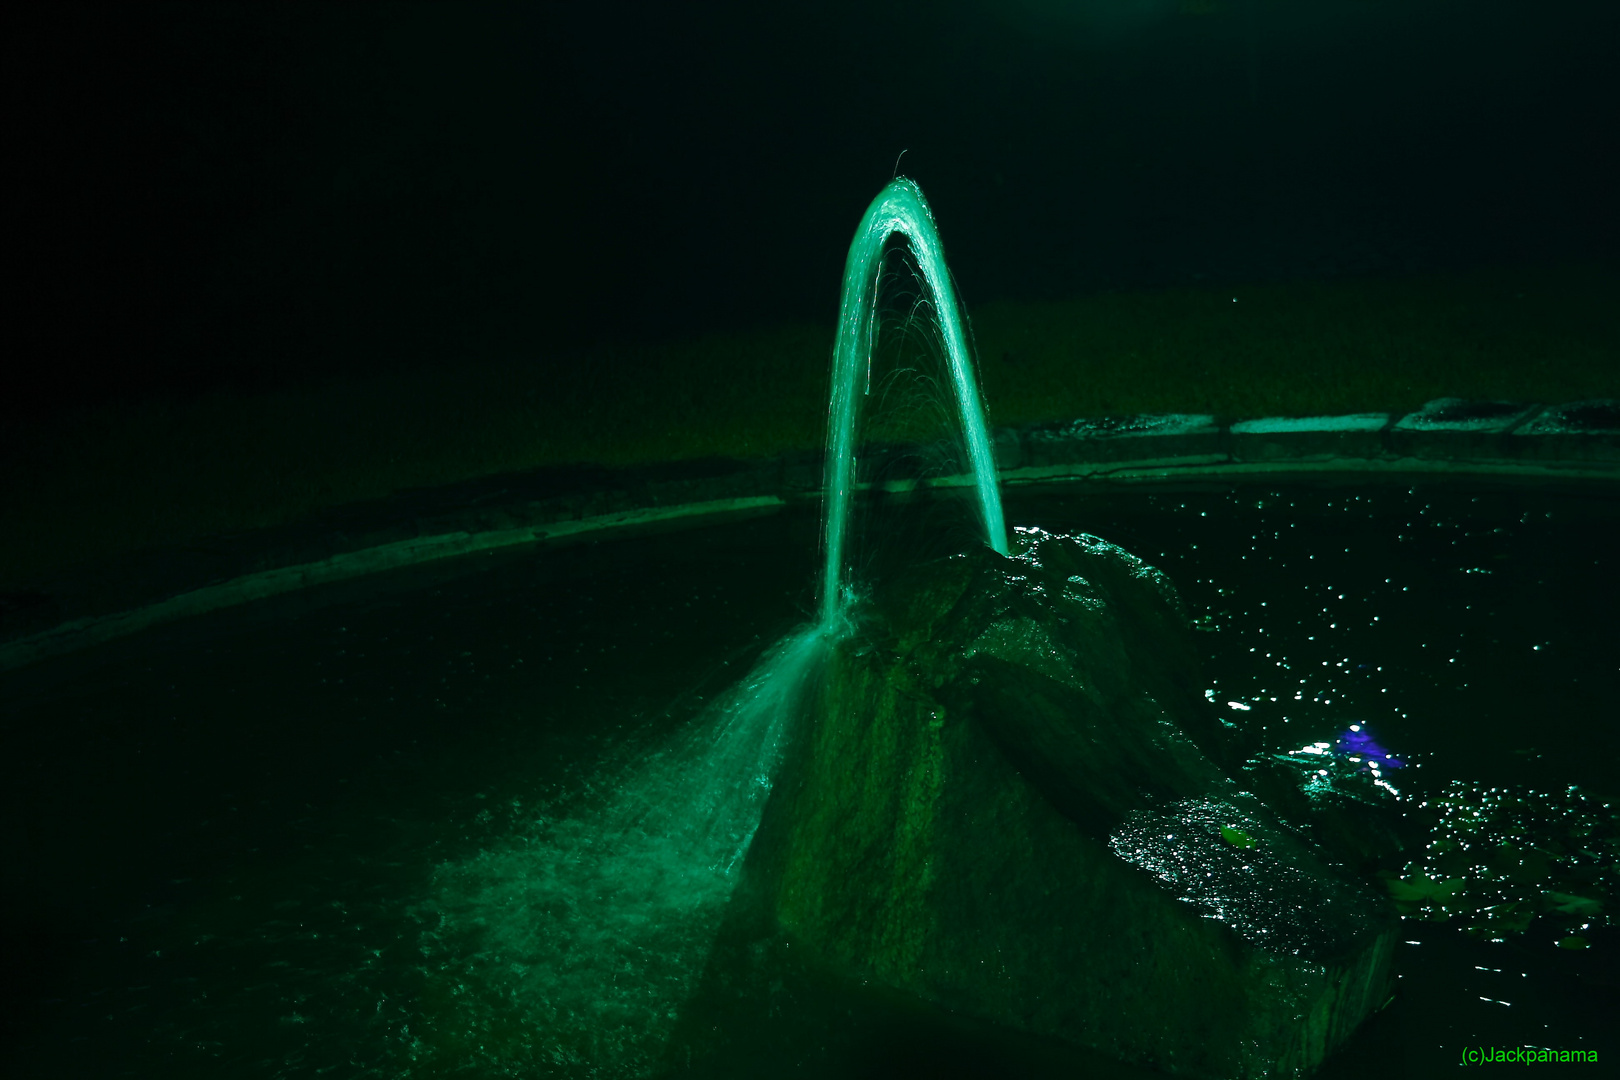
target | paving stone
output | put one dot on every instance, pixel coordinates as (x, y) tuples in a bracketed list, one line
[(886, 463), (1580, 431), (1008, 449), (1307, 438), (801, 473), (1130, 438), (1452, 427)]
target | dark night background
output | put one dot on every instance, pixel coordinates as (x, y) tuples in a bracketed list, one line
[(237, 196), (215, 200)]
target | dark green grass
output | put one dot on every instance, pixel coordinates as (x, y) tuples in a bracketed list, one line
[(162, 472)]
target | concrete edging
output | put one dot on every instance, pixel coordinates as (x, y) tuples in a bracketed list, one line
[(1578, 441), (84, 632)]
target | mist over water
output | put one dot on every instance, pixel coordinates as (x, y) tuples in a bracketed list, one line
[(570, 947)]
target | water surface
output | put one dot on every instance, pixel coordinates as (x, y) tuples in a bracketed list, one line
[(273, 841)]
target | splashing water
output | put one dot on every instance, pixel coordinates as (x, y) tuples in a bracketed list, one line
[(569, 950), (898, 208)]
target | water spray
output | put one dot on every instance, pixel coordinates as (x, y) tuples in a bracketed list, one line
[(898, 208)]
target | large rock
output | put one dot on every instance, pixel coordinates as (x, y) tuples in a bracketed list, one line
[(1010, 800)]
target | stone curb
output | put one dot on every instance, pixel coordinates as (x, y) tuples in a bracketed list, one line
[(90, 630), (1577, 441)]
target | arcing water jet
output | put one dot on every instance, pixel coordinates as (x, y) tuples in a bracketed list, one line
[(898, 208)]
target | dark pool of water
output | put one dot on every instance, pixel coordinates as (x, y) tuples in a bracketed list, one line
[(224, 836)]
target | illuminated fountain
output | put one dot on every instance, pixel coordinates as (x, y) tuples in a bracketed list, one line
[(1008, 798), (899, 208), (602, 921), (987, 787)]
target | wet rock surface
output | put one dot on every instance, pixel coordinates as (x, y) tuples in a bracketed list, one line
[(1011, 801)]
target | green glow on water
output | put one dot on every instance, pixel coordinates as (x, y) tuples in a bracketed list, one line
[(898, 208)]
